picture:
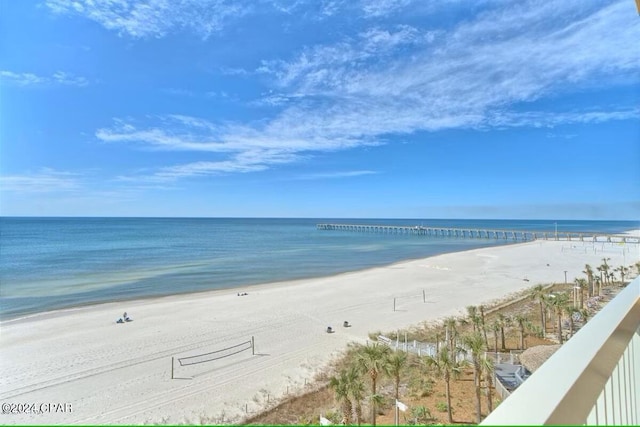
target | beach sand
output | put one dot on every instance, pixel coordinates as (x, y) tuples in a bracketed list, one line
[(108, 373)]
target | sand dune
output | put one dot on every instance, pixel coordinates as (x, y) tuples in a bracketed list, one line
[(120, 373)]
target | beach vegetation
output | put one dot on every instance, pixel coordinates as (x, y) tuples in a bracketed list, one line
[(447, 366), (521, 320), (474, 342), (538, 294), (421, 415), (504, 321), (487, 370), (373, 360), (396, 363), (340, 386), (588, 270), (443, 407), (581, 286)]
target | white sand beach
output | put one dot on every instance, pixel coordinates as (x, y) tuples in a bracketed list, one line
[(120, 373)]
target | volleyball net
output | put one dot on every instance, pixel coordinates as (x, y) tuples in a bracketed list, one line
[(218, 354)]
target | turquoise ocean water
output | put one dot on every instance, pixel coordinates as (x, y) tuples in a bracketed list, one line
[(53, 263)]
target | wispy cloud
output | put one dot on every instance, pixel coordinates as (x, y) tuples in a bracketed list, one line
[(44, 181), (398, 79), (376, 8), (154, 18), (30, 79), (338, 174), (466, 76)]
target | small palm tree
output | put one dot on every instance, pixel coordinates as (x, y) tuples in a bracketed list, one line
[(558, 304), (582, 285), (483, 326), (598, 284), (605, 268), (521, 321), (451, 333), (446, 365), (538, 294), (356, 390), (569, 310), (474, 318), (340, 386), (475, 344), (372, 360), (589, 272), (504, 322), (487, 369), (495, 327), (623, 272), (396, 364)]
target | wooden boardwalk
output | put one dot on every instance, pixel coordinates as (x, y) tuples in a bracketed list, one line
[(476, 233)]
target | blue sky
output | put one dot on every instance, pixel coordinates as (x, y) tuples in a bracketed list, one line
[(323, 108)]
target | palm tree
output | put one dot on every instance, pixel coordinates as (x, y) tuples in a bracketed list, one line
[(589, 272), (475, 343), (569, 310), (396, 363), (372, 360), (495, 327), (538, 294), (438, 337), (446, 366), (340, 386), (487, 369), (483, 325), (451, 333), (472, 312), (356, 390), (503, 322), (558, 303), (521, 321), (623, 272), (598, 284), (582, 284), (601, 271), (605, 267)]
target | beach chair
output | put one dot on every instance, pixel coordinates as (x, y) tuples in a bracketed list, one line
[(329, 330), (120, 320), (346, 324)]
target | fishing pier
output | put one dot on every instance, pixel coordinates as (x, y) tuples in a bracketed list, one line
[(476, 233)]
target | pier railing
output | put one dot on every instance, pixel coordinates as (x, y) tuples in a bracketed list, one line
[(476, 233), (593, 379)]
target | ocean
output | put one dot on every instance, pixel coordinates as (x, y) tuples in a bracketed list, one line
[(54, 263)]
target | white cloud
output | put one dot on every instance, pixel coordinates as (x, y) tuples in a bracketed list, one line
[(44, 181), (340, 174), (377, 8), (154, 18), (463, 77), (486, 72), (30, 79)]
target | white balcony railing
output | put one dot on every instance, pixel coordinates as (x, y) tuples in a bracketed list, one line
[(592, 379)]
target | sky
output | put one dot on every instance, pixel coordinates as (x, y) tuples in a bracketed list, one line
[(320, 108)]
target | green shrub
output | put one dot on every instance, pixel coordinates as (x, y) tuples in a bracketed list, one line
[(421, 415), (441, 406)]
